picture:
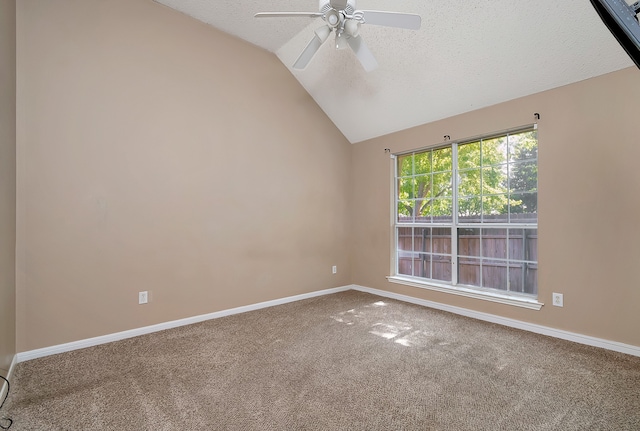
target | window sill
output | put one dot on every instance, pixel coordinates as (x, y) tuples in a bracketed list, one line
[(517, 301)]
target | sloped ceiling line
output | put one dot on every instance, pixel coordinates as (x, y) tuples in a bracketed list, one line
[(466, 56)]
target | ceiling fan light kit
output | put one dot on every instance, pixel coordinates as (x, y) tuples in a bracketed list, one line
[(352, 27), (342, 17)]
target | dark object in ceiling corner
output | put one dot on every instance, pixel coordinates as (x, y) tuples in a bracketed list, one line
[(621, 20)]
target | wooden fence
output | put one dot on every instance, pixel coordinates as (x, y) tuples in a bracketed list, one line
[(427, 254)]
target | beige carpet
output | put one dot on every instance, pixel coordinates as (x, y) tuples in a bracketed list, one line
[(349, 361)]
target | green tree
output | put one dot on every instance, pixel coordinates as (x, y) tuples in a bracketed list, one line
[(524, 172), (424, 188), (482, 177), (493, 174)]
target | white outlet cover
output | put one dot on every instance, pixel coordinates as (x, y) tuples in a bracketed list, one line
[(143, 297), (558, 299)]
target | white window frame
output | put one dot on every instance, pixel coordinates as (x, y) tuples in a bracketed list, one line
[(494, 295)]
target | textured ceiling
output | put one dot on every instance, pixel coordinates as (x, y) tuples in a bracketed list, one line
[(467, 55)]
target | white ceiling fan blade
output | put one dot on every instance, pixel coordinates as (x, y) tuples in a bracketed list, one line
[(392, 19), (287, 14), (308, 53), (338, 4), (341, 40), (365, 56)]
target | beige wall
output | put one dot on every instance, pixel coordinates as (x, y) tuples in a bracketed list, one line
[(156, 153), (7, 183), (588, 204)]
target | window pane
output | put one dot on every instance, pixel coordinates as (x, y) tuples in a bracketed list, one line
[(494, 151), (442, 185), (494, 274), (441, 268), (405, 263), (517, 273), (523, 244), (423, 186), (422, 163), (517, 244), (495, 209), (469, 209), (469, 155), (422, 266), (469, 242), (422, 240), (406, 188), (441, 240), (442, 210), (531, 278), (469, 271), (494, 243), (523, 177), (523, 146), (424, 211), (531, 248), (405, 238), (523, 278), (441, 160), (405, 211), (469, 182), (494, 180), (516, 277), (405, 165), (524, 207)]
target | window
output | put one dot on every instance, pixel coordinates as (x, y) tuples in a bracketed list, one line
[(467, 214)]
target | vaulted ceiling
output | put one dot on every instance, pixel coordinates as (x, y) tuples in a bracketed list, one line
[(467, 55)]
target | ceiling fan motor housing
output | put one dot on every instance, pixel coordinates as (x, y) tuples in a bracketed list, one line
[(325, 6)]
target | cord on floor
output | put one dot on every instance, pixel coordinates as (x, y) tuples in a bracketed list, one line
[(5, 423)]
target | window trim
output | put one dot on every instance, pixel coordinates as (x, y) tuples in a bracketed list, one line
[(476, 292)]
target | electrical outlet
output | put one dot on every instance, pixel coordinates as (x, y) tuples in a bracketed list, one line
[(558, 299), (334, 269), (143, 297)]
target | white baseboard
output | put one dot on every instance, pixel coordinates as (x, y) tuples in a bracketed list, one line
[(9, 375), (531, 327), (89, 342)]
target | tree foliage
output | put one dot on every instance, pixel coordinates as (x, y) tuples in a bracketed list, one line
[(495, 176)]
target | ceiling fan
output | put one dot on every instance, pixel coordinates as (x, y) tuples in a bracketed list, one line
[(345, 20)]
